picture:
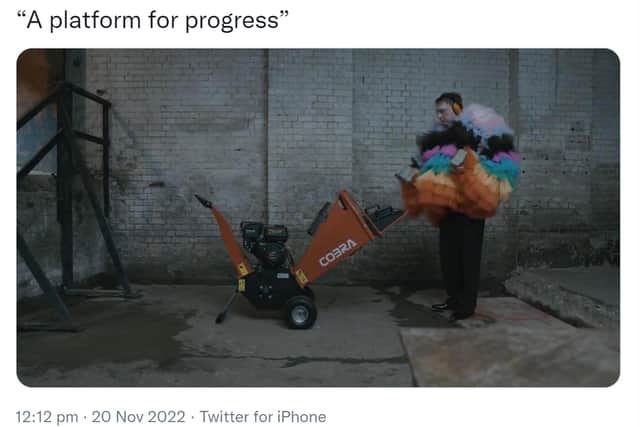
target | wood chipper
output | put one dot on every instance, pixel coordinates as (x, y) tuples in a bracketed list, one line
[(276, 281)]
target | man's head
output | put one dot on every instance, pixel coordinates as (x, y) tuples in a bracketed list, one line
[(448, 105)]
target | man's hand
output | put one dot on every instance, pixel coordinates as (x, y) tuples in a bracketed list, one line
[(406, 174), (456, 170), (457, 161)]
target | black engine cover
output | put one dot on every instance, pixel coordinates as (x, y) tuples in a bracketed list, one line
[(272, 255)]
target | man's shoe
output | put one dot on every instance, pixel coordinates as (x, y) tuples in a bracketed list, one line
[(441, 307), (455, 316)]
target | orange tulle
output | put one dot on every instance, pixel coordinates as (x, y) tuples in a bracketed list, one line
[(410, 197), (474, 192), (438, 190)]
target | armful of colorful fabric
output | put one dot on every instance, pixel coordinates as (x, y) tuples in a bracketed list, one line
[(414, 207), (433, 189), (437, 159), (486, 183)]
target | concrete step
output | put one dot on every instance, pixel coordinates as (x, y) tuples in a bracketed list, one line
[(587, 296)]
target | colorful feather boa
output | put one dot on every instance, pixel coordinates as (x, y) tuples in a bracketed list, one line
[(488, 176)]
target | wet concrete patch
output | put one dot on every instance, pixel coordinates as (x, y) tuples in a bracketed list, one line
[(111, 332), (408, 312)]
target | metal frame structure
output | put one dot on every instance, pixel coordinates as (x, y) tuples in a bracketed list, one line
[(70, 161)]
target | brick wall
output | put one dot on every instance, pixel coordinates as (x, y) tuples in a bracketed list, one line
[(184, 122), (271, 135), (568, 132), (310, 137)]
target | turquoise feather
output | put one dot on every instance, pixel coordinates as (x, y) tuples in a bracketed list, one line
[(439, 163), (503, 169)]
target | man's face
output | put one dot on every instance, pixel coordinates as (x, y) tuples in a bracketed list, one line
[(445, 114)]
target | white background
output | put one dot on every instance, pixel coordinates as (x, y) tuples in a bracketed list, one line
[(345, 24)]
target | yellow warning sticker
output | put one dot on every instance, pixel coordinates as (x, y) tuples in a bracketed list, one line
[(242, 269), (241, 285), (301, 277)]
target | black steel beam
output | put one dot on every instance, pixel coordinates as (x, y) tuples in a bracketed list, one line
[(40, 106), (106, 137), (52, 97), (65, 193), (93, 199), (42, 152), (88, 137), (87, 94), (41, 278)]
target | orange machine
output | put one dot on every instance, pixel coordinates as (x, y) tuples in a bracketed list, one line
[(339, 230)]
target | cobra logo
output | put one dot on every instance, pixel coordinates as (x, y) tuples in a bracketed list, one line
[(336, 253)]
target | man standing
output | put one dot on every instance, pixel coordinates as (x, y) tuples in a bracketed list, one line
[(468, 167), (460, 236)]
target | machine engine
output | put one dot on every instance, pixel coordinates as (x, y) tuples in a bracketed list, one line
[(266, 243)]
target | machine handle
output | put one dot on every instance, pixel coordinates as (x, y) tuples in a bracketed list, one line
[(206, 203)]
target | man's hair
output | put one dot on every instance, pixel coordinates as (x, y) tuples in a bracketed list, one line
[(450, 98)]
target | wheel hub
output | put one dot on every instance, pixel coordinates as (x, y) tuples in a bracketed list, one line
[(299, 315)]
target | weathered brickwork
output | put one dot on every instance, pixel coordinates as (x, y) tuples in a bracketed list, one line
[(569, 136)]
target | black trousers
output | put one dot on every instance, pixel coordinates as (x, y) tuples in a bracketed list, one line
[(460, 253)]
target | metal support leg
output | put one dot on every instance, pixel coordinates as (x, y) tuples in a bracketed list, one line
[(47, 289), (102, 221), (227, 307), (105, 160), (65, 196)]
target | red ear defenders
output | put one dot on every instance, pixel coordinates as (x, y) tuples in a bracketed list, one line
[(456, 107)]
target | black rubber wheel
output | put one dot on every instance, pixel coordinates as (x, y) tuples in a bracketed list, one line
[(300, 312), (308, 292)]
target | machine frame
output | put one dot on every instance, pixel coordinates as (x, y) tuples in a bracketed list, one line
[(338, 231)]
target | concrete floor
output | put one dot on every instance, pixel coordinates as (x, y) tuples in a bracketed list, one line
[(169, 338), (363, 337)]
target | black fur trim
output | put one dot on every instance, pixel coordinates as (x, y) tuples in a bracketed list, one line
[(456, 134), (460, 136), (497, 144), (429, 140), (463, 137)]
